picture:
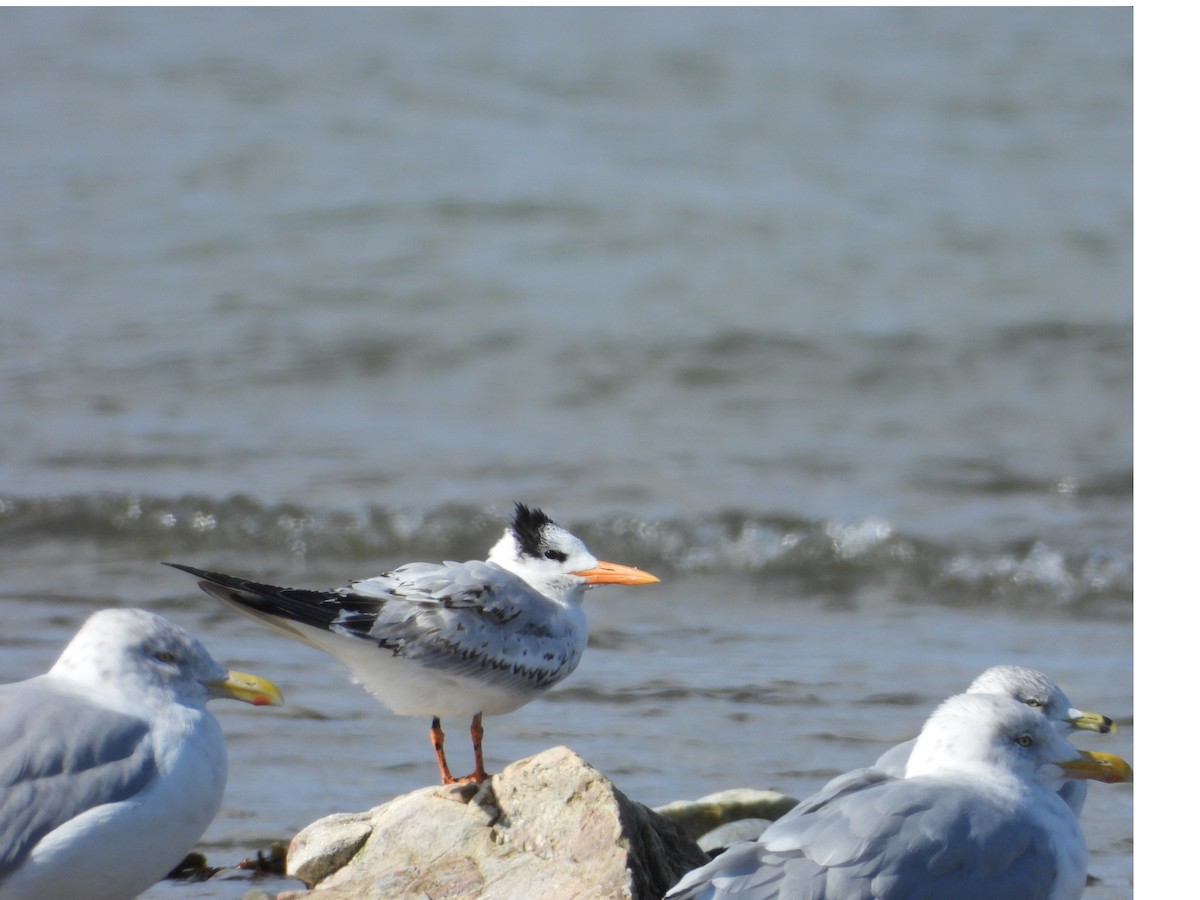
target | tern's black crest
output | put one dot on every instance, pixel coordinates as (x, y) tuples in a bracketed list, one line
[(527, 525)]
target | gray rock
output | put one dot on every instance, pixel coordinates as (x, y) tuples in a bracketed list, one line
[(550, 827), (698, 817), (327, 845), (732, 833)]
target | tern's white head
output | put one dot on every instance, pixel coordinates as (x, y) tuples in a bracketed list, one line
[(553, 561), (1039, 692)]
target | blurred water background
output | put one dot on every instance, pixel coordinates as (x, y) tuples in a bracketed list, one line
[(822, 315)]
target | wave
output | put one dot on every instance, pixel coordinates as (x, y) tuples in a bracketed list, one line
[(835, 563)]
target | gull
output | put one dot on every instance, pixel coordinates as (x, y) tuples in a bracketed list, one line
[(1036, 690), (453, 638), (975, 816), (111, 766)]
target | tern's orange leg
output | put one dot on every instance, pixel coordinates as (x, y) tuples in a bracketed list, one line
[(477, 742), (438, 738)]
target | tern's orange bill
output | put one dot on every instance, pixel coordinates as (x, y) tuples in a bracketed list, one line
[(615, 573)]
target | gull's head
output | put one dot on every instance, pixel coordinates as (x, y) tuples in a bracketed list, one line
[(1038, 691), (995, 734), (139, 654), (553, 561)]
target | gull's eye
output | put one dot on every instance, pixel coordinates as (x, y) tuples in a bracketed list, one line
[(165, 656), (556, 555), (1025, 741), (1035, 703)]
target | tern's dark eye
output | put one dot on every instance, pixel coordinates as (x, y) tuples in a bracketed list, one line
[(556, 555), (1025, 741), (165, 656)]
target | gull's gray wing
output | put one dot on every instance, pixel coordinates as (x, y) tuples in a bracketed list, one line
[(1074, 793), (60, 756), (847, 783), (885, 838), (895, 760)]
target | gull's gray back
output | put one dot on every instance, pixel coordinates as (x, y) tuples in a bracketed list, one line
[(59, 756), (895, 760), (884, 838)]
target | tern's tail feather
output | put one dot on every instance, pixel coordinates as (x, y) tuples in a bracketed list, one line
[(280, 608)]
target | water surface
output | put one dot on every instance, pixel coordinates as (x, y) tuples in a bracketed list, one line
[(823, 316)]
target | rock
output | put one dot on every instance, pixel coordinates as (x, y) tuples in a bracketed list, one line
[(732, 833), (327, 845), (698, 817), (550, 827)]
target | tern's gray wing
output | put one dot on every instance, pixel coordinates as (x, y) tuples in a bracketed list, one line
[(471, 591), (891, 838), (457, 617), (59, 756)]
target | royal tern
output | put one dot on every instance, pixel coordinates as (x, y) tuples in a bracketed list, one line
[(976, 816), (454, 638), (111, 766), (1037, 691)]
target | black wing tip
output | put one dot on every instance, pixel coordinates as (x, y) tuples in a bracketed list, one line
[(528, 523), (210, 581), (199, 573), (302, 605), (226, 582)]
